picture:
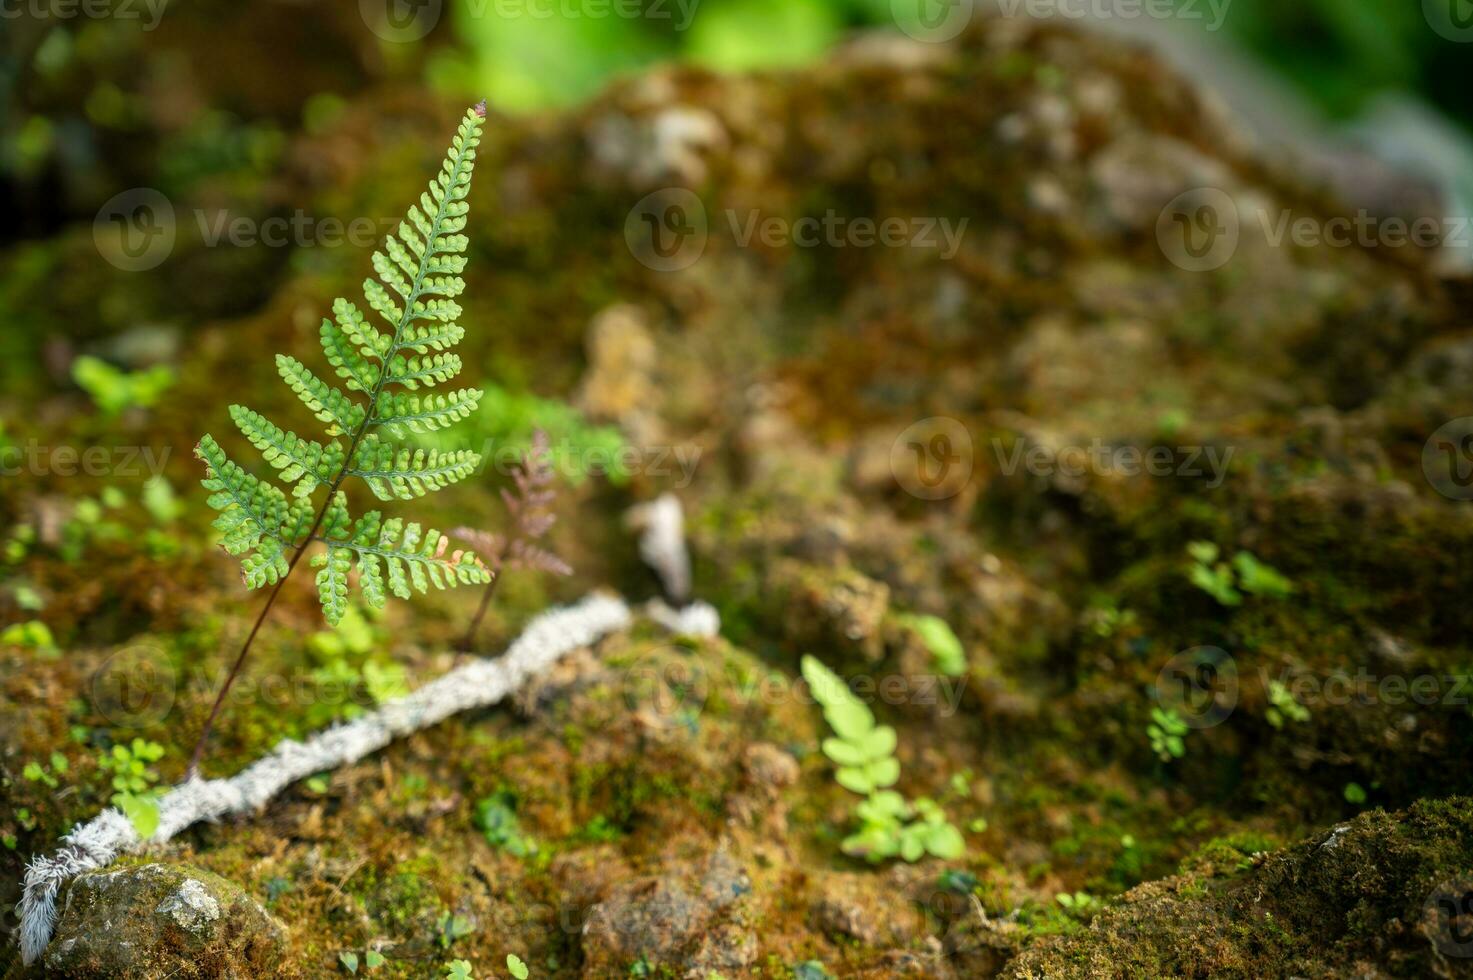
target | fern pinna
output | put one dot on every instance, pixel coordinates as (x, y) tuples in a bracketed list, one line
[(383, 373)]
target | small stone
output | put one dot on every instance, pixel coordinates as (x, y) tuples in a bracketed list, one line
[(158, 920)]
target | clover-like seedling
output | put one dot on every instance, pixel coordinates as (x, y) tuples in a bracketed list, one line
[(458, 970), (516, 967), (383, 367), (865, 754), (1167, 733), (1283, 707), (949, 655)]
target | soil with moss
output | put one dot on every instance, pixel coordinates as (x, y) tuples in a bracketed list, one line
[(659, 806)]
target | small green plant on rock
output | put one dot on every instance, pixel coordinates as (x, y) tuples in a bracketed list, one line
[(1223, 581), (1283, 708), (132, 780), (372, 960), (115, 390), (516, 967), (864, 751), (1167, 733), (949, 657), (458, 970)]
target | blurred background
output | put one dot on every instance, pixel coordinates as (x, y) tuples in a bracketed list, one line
[(208, 103)]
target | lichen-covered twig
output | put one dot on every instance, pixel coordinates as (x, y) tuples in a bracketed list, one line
[(476, 684)]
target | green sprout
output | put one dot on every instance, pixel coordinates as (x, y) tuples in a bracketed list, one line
[(949, 656), (864, 751), (1282, 706), (1167, 732), (458, 970), (1223, 581), (133, 781)]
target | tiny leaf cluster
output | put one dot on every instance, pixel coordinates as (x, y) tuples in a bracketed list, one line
[(864, 751)]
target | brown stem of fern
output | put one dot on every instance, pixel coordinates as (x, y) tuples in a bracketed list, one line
[(204, 736), (468, 642)]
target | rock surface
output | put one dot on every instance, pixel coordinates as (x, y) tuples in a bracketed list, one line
[(156, 921)]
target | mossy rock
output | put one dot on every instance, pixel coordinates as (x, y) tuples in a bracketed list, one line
[(161, 920), (1390, 889)]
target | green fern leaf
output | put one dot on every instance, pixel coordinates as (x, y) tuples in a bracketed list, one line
[(326, 402), (399, 472), (346, 360), (430, 369), (403, 414), (332, 582), (301, 460), (250, 509)]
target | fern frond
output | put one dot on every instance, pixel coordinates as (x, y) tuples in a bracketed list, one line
[(417, 280), (327, 403), (302, 461), (403, 414), (399, 472)]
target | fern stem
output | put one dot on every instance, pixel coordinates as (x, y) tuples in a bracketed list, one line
[(369, 418), (468, 642)]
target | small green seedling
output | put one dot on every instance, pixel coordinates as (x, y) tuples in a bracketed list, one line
[(133, 781), (372, 960), (349, 960), (1283, 708), (1210, 575), (516, 967), (1227, 583), (450, 928), (115, 390), (1080, 904), (946, 649), (33, 635), (1167, 732), (1355, 794), (35, 772), (865, 754), (496, 817), (458, 970)]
